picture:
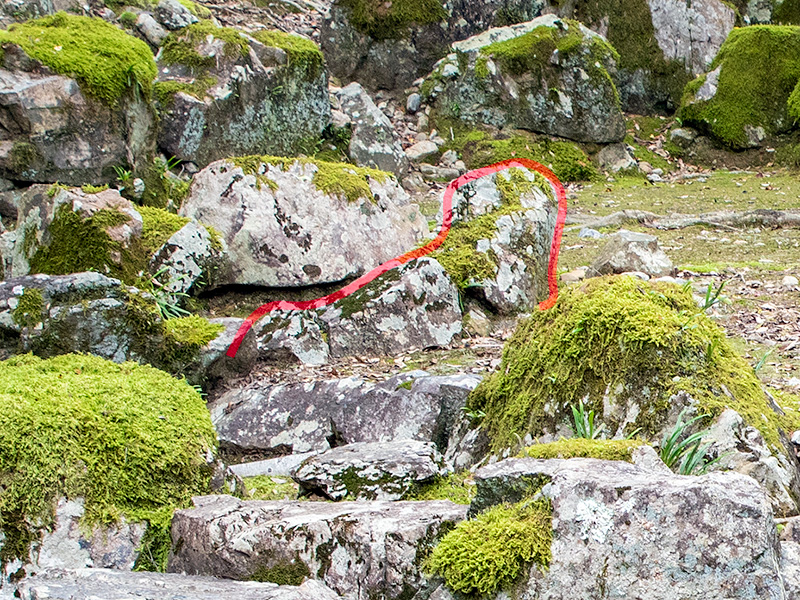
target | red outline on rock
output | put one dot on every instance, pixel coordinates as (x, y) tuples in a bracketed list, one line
[(447, 216)]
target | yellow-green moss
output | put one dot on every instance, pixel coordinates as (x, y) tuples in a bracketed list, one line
[(457, 487), (164, 91), (390, 20), (618, 331), (198, 10), (264, 487), (302, 53), (760, 69), (30, 308), (158, 225), (106, 61), (179, 47), (128, 438), (488, 553), (81, 244), (338, 179), (88, 188), (192, 331), (787, 13), (23, 156), (127, 19), (290, 572), (459, 253), (582, 447)]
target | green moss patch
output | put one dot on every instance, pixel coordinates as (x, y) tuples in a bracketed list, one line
[(302, 53), (337, 179), (616, 333), (128, 438), (180, 47), (193, 332), (457, 487), (30, 308), (760, 67), (292, 572), (164, 91), (158, 225), (584, 448), (390, 20), (787, 13), (264, 487), (106, 61), (490, 552), (198, 10)]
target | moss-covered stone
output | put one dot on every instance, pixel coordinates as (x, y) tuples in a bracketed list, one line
[(158, 225), (198, 10), (585, 448), (290, 572), (337, 179), (456, 487), (164, 91), (617, 336), (129, 439), (107, 62), (30, 308), (301, 53), (487, 554), (180, 47), (264, 487), (759, 70), (382, 20)]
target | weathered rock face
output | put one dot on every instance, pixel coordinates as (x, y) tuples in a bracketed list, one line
[(413, 306), (504, 225), (650, 534), (360, 550), (283, 229), (387, 51), (52, 131), (247, 97), (47, 215), (374, 142), (370, 471), (548, 75), (628, 251), (269, 420), (57, 584)]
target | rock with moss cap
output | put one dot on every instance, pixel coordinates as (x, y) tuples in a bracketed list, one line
[(387, 47), (641, 533), (299, 222), (78, 111), (499, 246), (415, 306), (223, 93), (750, 92), (548, 75), (358, 549)]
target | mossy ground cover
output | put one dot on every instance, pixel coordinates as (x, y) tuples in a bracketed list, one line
[(584, 448), (391, 20), (339, 179), (760, 69), (614, 331), (107, 62), (301, 53), (129, 439), (264, 487), (489, 553)]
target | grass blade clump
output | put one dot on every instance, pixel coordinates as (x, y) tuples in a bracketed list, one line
[(128, 438)]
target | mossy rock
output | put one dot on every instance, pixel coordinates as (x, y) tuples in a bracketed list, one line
[(108, 63), (128, 438), (584, 448), (619, 345), (756, 71), (382, 21)]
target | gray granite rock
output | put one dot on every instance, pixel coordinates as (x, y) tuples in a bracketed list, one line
[(174, 15), (103, 584), (267, 420), (370, 470), (628, 251), (281, 230), (151, 29), (361, 550), (615, 158)]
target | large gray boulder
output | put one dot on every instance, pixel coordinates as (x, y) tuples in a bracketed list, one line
[(389, 48), (59, 584), (53, 131), (297, 222), (239, 96), (527, 76), (361, 550), (374, 142), (370, 471), (651, 534), (262, 419), (628, 251)]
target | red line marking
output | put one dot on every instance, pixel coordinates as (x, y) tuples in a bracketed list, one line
[(447, 217)]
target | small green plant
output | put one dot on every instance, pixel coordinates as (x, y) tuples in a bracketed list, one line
[(712, 298), (167, 299), (124, 177), (474, 415), (686, 454), (762, 361), (583, 423)]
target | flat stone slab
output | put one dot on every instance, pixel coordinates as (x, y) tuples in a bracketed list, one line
[(361, 550), (108, 584)]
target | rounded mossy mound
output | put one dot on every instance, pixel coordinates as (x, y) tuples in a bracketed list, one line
[(584, 448), (624, 346), (748, 86), (129, 439), (107, 62)]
